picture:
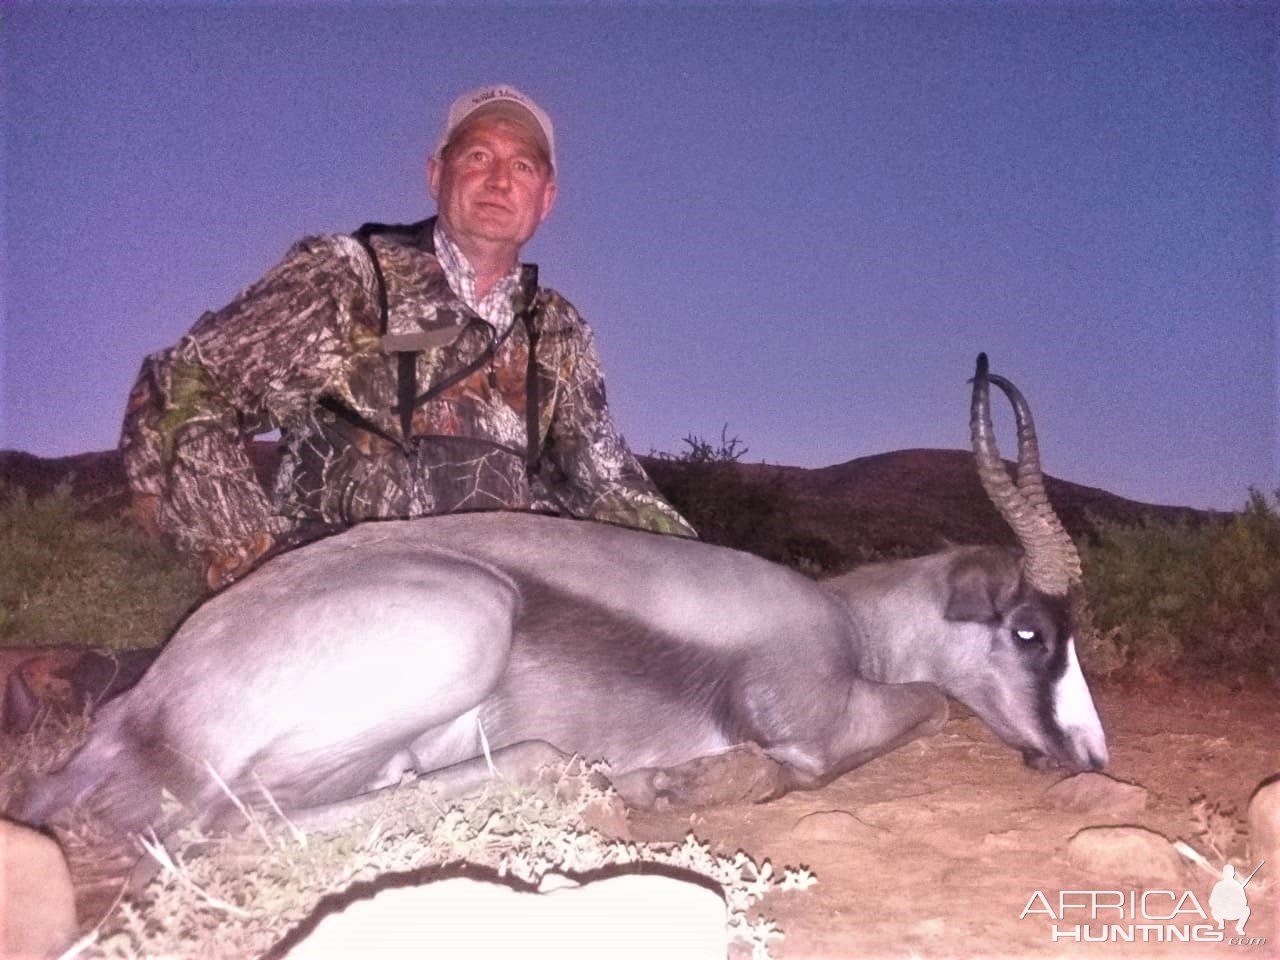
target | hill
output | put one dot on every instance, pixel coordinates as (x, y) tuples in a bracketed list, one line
[(916, 501), (903, 503)]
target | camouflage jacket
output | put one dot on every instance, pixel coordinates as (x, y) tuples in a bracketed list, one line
[(392, 397)]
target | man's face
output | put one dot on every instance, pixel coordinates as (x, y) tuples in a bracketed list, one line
[(492, 186)]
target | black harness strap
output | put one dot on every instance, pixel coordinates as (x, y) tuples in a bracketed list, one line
[(528, 316), (407, 383), (406, 360), (458, 376), (358, 419), (362, 237), (407, 396)]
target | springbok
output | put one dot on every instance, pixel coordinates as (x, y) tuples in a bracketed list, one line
[(422, 645)]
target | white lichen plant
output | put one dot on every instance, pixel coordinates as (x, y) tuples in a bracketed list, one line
[(238, 895)]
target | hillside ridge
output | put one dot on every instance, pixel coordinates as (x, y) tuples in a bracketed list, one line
[(902, 502)]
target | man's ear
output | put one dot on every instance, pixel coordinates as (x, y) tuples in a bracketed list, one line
[(548, 200), (434, 167)]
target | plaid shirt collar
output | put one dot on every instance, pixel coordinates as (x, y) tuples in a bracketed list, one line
[(496, 306)]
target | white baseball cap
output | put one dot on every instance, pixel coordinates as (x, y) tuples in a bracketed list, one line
[(504, 100)]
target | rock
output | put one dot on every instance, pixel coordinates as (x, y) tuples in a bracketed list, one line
[(1125, 853), (633, 915), (1096, 793), (1013, 840), (1264, 822), (37, 905), (608, 816), (834, 826)]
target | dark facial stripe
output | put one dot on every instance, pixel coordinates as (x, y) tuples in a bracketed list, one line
[(1052, 670)]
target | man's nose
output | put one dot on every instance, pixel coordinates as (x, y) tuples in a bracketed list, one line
[(499, 175)]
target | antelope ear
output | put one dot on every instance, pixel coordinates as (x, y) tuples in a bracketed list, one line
[(981, 586)]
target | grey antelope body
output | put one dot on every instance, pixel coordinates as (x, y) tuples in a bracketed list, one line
[(413, 644)]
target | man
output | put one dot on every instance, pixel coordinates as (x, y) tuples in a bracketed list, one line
[(411, 370)]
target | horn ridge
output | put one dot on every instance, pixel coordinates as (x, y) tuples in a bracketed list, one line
[(1050, 559), (1030, 475)]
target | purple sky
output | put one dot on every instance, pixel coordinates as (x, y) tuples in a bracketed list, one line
[(801, 220)]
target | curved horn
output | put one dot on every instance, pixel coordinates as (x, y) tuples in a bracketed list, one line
[(1030, 478), (1050, 559)]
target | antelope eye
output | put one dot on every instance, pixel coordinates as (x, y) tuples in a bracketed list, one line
[(1027, 636)]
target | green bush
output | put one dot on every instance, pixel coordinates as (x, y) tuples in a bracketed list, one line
[(1200, 598), (69, 579), (728, 507)]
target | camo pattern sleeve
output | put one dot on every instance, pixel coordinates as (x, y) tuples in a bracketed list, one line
[(592, 472), (255, 365)]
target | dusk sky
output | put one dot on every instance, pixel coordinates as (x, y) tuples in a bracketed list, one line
[(801, 220)]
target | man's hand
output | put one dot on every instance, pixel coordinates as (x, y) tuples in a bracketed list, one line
[(222, 567)]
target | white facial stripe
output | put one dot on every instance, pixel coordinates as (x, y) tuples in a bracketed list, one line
[(1074, 710)]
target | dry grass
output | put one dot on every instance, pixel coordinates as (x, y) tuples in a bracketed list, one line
[(42, 748), (240, 894)]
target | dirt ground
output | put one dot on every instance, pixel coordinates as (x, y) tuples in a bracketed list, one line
[(935, 850)]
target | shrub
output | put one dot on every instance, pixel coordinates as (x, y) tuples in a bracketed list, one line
[(1202, 598), (710, 487), (69, 579)]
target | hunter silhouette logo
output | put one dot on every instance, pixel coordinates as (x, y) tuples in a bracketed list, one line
[(1228, 900), (1147, 916)]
